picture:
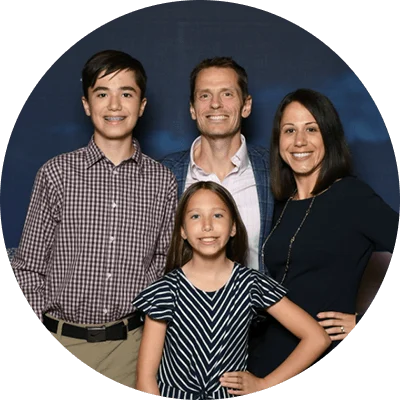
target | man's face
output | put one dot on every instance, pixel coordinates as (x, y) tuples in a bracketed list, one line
[(218, 106), (114, 105)]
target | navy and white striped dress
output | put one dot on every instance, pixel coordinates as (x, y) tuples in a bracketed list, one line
[(207, 332)]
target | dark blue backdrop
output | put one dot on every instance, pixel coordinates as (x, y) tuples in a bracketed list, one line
[(170, 39)]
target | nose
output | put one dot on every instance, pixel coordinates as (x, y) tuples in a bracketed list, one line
[(215, 102), (207, 225), (300, 138), (115, 103)]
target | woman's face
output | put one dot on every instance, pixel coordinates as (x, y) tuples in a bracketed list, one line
[(300, 141)]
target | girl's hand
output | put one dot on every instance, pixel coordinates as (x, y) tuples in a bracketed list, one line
[(337, 325), (242, 382)]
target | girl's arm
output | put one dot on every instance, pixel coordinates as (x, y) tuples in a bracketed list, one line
[(313, 342), (150, 352)]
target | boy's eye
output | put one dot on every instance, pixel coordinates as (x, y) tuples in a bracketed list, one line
[(101, 95), (127, 95)]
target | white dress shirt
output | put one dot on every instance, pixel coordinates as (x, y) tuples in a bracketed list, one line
[(242, 185)]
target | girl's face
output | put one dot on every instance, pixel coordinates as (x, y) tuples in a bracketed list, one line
[(207, 224)]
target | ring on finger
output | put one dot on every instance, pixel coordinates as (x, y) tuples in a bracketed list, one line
[(342, 329)]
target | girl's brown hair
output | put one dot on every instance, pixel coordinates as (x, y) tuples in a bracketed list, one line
[(180, 251)]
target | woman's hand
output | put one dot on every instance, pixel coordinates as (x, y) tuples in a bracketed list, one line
[(336, 324), (242, 382)]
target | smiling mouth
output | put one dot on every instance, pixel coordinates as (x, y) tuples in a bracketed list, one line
[(217, 117), (301, 155), (208, 240), (114, 119)]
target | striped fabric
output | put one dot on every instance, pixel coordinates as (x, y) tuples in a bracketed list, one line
[(207, 332)]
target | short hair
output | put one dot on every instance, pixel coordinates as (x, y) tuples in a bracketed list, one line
[(180, 251), (220, 62), (336, 163), (109, 61)]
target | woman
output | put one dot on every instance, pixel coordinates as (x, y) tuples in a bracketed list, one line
[(326, 223)]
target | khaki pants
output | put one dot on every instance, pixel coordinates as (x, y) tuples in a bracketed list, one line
[(116, 359)]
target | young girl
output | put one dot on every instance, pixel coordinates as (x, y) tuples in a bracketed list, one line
[(198, 315)]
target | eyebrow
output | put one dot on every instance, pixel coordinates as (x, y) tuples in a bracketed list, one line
[(291, 123), (105, 88), (213, 209), (223, 89)]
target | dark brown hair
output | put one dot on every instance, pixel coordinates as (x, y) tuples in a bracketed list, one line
[(109, 61), (337, 160), (180, 251), (220, 62)]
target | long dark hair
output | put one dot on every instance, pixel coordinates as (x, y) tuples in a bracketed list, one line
[(180, 251), (337, 160)]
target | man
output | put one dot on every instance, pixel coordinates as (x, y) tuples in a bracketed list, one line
[(219, 100), (99, 226)]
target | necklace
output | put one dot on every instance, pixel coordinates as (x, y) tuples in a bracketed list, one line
[(293, 237)]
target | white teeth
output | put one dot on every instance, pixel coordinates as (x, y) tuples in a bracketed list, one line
[(301, 155), (114, 118), (217, 117), (208, 240)]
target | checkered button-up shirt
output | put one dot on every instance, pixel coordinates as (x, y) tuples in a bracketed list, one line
[(95, 235)]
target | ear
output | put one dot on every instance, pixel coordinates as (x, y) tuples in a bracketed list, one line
[(183, 233), (142, 106), (192, 112), (246, 109), (233, 230), (86, 106)]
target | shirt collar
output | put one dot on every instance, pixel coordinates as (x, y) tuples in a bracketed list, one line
[(240, 159), (94, 154)]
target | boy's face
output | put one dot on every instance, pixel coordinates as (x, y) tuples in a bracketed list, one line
[(114, 105)]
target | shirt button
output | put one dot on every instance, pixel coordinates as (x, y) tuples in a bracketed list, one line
[(105, 311), (108, 275), (114, 204), (112, 238)]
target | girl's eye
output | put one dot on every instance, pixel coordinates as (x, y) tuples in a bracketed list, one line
[(194, 216), (218, 215)]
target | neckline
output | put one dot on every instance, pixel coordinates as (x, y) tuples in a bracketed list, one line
[(317, 195), (213, 292)]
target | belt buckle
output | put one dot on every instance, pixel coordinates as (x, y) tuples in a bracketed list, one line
[(96, 334)]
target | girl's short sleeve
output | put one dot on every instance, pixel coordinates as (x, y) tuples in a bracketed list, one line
[(157, 300), (265, 291)]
